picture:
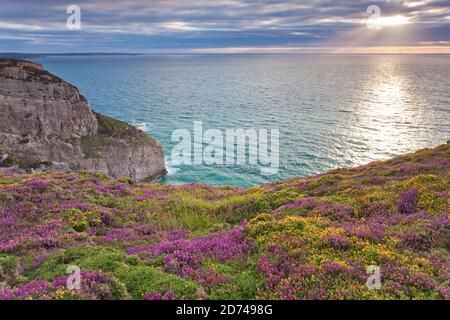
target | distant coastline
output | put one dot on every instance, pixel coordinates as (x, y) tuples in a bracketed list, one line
[(19, 55)]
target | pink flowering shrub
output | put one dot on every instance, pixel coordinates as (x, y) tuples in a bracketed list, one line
[(408, 201), (94, 286), (305, 238), (169, 295)]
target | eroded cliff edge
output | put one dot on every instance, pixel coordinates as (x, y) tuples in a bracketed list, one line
[(45, 123)]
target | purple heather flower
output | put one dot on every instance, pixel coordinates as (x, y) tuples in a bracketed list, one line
[(184, 257), (169, 295), (37, 184), (146, 196), (94, 285), (339, 241), (305, 203), (408, 201)]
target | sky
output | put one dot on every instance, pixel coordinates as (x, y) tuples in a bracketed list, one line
[(226, 26)]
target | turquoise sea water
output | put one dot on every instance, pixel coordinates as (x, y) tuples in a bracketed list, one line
[(332, 111)]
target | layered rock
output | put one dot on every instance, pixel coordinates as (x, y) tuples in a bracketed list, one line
[(46, 123)]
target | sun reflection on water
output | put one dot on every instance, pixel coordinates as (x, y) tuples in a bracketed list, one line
[(388, 114)]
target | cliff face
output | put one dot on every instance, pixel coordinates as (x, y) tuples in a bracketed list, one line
[(46, 123)]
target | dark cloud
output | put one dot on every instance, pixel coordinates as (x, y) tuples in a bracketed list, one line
[(39, 25)]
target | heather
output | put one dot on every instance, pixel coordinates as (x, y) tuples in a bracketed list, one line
[(305, 238)]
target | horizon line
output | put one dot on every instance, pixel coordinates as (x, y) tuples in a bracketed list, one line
[(325, 50), (13, 55)]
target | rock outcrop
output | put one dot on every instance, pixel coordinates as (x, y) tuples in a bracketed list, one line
[(46, 123)]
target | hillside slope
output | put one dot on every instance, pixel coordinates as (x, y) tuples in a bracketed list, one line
[(306, 238)]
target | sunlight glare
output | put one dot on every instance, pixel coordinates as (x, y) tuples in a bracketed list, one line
[(391, 21)]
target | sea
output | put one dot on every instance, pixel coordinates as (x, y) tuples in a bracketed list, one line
[(317, 112)]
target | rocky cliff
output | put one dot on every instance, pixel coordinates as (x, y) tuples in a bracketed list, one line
[(46, 123)]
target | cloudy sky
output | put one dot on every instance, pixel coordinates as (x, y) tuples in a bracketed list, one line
[(39, 26)]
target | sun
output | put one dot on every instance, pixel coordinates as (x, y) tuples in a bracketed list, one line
[(391, 21)]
